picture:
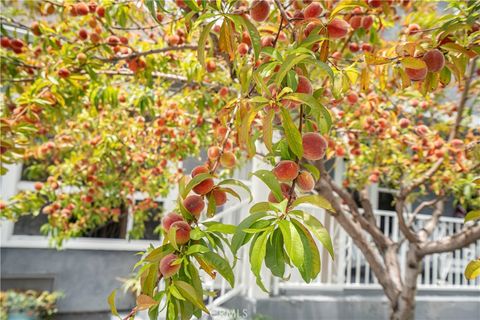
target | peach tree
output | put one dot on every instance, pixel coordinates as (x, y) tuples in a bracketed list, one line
[(105, 98)]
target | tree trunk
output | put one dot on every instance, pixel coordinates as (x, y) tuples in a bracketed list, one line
[(404, 308)]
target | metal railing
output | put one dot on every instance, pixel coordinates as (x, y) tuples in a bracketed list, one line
[(351, 270)]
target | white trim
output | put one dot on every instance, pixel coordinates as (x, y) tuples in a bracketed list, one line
[(40, 242)]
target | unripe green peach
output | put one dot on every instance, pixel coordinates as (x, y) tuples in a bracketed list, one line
[(166, 266)]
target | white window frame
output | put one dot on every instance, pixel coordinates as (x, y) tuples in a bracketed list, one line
[(11, 184)]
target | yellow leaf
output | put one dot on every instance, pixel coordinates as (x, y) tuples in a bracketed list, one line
[(413, 63), (145, 302), (372, 59), (473, 269)]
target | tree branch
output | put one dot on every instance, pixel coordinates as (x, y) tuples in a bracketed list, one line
[(453, 242), (406, 230), (146, 53), (433, 221)]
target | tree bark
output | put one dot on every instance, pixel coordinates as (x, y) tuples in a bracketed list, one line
[(404, 309)]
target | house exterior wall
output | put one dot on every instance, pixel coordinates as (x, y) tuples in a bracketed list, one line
[(86, 277)]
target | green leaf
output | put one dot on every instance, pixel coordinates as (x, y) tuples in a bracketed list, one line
[(293, 242), (323, 67), (158, 253), (325, 119), (111, 303), (271, 181), (189, 293), (275, 260), (316, 200), (195, 181), (212, 206), (257, 255), (221, 265), (202, 40), (221, 227), (197, 248), (252, 31), (317, 228), (312, 266), (289, 62), (472, 215), (237, 183), (294, 138), (268, 129), (346, 4), (473, 269), (239, 236), (312, 169), (172, 237), (264, 207)]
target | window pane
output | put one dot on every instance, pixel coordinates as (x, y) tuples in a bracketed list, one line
[(385, 201), (29, 225)]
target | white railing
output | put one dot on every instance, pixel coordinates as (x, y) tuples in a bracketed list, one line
[(351, 270), (233, 214)]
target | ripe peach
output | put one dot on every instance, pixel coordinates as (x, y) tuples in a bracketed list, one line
[(314, 146), (35, 27), (206, 185), (404, 123), (81, 57), (92, 6), (352, 97), (374, 3), (353, 47), (267, 41), (286, 170), (421, 130), (285, 192), (313, 10), (181, 4), (213, 153), (223, 92), (16, 44), (367, 22), (211, 66), (38, 186), (242, 49), (457, 144), (166, 266), (373, 178), (413, 28), (435, 60), (113, 40), (305, 181), (304, 85), (367, 47), (169, 219), (5, 42), (246, 38), (173, 40), (228, 160), (337, 28), (83, 34), (416, 74), (101, 11), (182, 235), (260, 10), (220, 197), (63, 73), (81, 9), (194, 204), (355, 22)]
